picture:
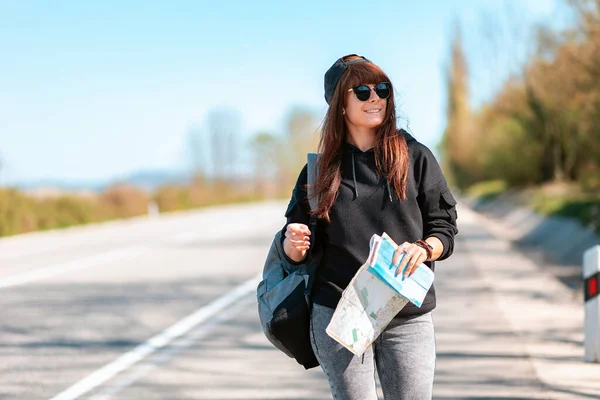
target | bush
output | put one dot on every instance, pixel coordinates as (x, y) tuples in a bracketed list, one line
[(20, 213), (510, 155), (17, 213), (487, 190), (63, 211), (577, 204), (121, 201)]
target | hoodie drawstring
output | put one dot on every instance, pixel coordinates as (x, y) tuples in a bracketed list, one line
[(389, 189)]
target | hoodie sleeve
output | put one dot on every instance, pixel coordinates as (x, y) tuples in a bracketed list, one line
[(298, 208), (437, 204)]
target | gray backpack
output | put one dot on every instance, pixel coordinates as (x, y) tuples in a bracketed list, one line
[(283, 295)]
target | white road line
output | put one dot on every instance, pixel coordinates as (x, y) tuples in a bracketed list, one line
[(76, 265), (163, 356), (156, 342)]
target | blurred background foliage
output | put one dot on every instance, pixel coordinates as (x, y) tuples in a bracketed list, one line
[(276, 160), (539, 135), (541, 132)]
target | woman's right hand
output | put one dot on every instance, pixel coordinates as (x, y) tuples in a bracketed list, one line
[(299, 236), (297, 241)]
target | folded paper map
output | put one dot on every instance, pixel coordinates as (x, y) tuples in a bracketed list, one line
[(415, 287), (374, 296)]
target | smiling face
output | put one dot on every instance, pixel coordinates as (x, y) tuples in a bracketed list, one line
[(364, 114), (349, 119)]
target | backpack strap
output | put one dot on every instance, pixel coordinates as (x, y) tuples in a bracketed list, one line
[(312, 161), (312, 169), (311, 179)]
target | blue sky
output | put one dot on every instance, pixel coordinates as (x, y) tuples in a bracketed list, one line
[(97, 90)]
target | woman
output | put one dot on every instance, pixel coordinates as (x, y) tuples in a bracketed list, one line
[(373, 178)]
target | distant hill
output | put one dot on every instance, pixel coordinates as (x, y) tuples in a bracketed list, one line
[(151, 180), (148, 180)]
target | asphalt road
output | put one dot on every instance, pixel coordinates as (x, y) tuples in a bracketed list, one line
[(165, 309), (73, 301)]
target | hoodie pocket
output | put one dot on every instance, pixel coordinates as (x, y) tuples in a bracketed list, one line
[(448, 203)]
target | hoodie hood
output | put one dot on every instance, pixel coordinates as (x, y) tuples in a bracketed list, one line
[(352, 156), (363, 161)]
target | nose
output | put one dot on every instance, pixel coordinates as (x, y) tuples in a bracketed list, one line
[(373, 96)]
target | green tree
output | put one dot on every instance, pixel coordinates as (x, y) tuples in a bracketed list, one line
[(266, 153), (458, 143)]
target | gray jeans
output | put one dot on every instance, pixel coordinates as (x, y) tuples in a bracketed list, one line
[(404, 354)]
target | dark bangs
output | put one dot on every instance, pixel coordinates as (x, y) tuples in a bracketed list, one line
[(363, 72)]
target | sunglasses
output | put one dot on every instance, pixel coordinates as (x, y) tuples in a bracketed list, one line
[(363, 92)]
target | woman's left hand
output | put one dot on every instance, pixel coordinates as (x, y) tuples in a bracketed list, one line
[(413, 256)]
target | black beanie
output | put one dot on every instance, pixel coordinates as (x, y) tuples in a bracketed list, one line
[(333, 74)]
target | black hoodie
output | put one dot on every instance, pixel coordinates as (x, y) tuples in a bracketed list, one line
[(365, 205)]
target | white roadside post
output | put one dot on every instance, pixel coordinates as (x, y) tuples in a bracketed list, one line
[(153, 209), (591, 328)]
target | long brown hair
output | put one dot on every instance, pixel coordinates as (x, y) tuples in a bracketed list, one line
[(391, 150)]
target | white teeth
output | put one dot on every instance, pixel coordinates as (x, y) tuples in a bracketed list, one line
[(373, 111)]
